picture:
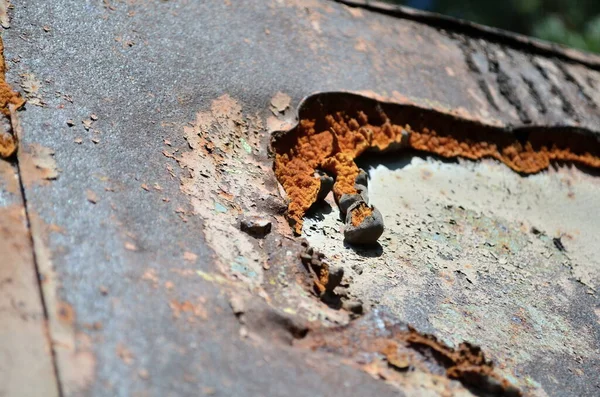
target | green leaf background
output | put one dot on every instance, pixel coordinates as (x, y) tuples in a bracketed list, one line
[(572, 23)]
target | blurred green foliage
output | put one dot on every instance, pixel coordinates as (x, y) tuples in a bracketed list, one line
[(575, 23)]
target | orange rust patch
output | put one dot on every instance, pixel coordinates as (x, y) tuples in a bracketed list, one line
[(7, 94), (8, 142), (334, 149), (197, 310), (405, 349), (333, 142), (521, 157), (66, 314), (318, 269), (360, 213)]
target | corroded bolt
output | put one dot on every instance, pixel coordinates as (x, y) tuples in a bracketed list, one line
[(362, 178), (326, 184), (364, 224), (348, 200), (363, 191), (361, 184)]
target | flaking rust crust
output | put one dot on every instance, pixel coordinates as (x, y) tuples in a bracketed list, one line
[(289, 317), (395, 351), (223, 174), (391, 350), (359, 215), (336, 128), (10, 100)]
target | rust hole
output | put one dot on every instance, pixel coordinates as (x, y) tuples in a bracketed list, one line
[(333, 132), (334, 129)]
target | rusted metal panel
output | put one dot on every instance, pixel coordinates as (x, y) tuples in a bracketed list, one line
[(143, 156)]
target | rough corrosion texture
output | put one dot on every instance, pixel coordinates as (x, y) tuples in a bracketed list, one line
[(360, 213), (524, 157), (8, 97), (8, 144), (399, 349), (332, 141), (342, 139), (364, 224)]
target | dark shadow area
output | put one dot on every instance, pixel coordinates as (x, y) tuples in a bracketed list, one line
[(550, 28), (561, 21), (318, 210), (556, 165), (397, 160), (366, 251)]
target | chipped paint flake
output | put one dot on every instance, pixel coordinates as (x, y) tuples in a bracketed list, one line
[(32, 88), (4, 17), (225, 130), (280, 103)]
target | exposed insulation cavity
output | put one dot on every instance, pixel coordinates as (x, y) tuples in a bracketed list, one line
[(360, 213), (332, 142)]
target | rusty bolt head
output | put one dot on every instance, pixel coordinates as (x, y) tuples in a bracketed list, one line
[(347, 200), (363, 191), (362, 178), (368, 231), (326, 184)]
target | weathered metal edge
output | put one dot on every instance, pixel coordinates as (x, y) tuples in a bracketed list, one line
[(491, 34)]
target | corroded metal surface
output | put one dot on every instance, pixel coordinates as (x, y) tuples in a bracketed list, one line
[(471, 253), (145, 145), (506, 234)]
